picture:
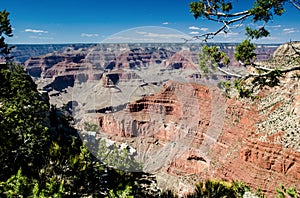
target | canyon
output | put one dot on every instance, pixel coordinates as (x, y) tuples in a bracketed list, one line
[(154, 98)]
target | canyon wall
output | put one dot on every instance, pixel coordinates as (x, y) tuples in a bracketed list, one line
[(155, 99), (217, 138)]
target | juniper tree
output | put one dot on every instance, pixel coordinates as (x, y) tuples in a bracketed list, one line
[(5, 31), (261, 12)]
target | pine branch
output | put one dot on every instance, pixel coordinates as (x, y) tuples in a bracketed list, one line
[(261, 67), (295, 4), (221, 14), (211, 35), (229, 73), (269, 71)]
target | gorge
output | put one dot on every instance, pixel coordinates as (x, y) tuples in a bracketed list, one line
[(155, 98)]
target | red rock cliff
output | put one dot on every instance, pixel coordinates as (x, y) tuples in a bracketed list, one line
[(215, 137)]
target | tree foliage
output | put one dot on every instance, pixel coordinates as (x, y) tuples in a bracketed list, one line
[(90, 127), (117, 157), (260, 12), (283, 192), (245, 52), (219, 189), (224, 12), (38, 139), (41, 155), (5, 31), (212, 58)]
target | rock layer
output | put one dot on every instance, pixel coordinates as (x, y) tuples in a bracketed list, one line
[(214, 138)]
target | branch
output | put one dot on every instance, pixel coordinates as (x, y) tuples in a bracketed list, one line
[(261, 67), (211, 35), (269, 71), (229, 73), (221, 14), (295, 4)]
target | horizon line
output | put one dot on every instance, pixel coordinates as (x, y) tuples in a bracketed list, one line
[(92, 43)]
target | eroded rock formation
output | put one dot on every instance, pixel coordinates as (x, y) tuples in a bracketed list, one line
[(217, 138)]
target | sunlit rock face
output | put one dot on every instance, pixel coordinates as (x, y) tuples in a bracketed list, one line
[(217, 138)]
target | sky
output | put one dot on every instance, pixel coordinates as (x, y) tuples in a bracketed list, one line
[(96, 21)]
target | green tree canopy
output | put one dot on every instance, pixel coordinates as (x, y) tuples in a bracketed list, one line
[(41, 154), (5, 31)]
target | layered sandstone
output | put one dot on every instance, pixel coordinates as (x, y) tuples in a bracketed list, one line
[(216, 138)]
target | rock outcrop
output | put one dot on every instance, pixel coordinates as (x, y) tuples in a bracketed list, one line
[(216, 138)]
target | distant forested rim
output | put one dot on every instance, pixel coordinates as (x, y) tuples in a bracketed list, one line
[(23, 52)]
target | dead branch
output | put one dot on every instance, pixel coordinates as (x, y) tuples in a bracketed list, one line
[(211, 35), (258, 67), (283, 71), (250, 75), (221, 14), (295, 4), (229, 73)]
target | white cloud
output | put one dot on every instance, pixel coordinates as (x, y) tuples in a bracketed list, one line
[(194, 32), (232, 34), (274, 26), (163, 35), (204, 29), (128, 39), (165, 23), (141, 32), (149, 34), (238, 25), (143, 36), (270, 38), (289, 30), (228, 37), (41, 37), (89, 35), (194, 28), (35, 31)]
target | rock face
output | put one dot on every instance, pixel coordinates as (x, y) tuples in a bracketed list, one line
[(192, 132), (91, 58), (56, 63), (183, 128), (217, 138), (111, 63)]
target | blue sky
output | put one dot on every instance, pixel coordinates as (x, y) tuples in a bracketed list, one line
[(62, 21)]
